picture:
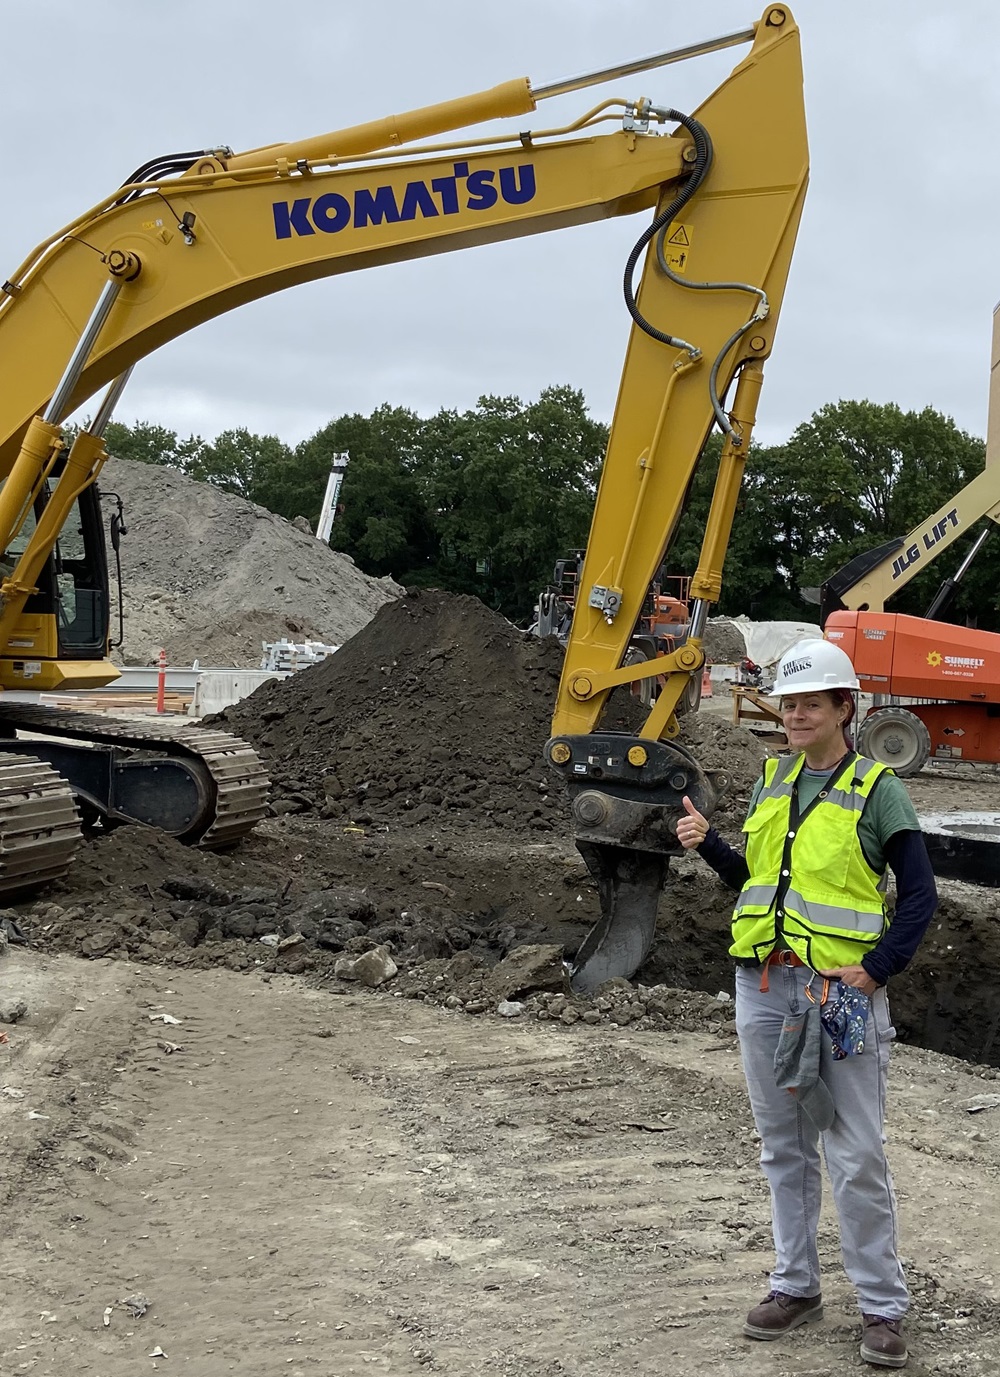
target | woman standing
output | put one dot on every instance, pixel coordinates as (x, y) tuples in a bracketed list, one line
[(823, 826)]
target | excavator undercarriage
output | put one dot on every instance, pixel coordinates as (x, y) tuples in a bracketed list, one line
[(74, 770)]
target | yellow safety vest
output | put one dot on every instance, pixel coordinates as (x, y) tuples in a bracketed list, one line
[(810, 884)]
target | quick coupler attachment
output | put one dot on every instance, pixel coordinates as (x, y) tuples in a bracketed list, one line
[(627, 791)]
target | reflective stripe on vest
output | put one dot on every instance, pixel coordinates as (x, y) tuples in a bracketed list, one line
[(833, 909)]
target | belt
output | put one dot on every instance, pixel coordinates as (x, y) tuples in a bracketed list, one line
[(782, 957), (777, 958)]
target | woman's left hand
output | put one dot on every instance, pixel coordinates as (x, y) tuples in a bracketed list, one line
[(853, 975)]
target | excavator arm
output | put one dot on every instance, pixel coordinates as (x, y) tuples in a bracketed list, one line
[(193, 235), (704, 319)]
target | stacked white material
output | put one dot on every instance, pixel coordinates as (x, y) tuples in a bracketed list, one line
[(768, 641), (294, 655)]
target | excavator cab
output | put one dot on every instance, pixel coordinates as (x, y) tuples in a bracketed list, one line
[(68, 617), (79, 576)]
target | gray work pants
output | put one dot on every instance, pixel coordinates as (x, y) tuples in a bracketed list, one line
[(854, 1147)]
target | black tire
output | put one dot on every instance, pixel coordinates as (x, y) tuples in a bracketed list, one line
[(896, 737)]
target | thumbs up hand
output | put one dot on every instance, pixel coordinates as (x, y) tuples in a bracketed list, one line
[(692, 828)]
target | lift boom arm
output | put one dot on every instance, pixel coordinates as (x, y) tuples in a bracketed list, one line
[(869, 580)]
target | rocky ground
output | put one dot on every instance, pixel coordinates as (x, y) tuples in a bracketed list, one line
[(323, 1104)]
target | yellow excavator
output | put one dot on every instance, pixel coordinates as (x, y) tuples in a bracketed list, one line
[(191, 235)]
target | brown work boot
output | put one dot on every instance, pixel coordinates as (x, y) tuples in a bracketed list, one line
[(778, 1313), (882, 1341)]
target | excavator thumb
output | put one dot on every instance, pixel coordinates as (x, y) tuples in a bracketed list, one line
[(627, 793)]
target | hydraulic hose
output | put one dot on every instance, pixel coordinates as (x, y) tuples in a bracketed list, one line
[(760, 312), (658, 229), (166, 165), (699, 169)]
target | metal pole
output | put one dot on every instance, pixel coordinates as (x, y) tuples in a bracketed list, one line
[(963, 568), (643, 64), (696, 630), (699, 616), (333, 485), (325, 525), (58, 408)]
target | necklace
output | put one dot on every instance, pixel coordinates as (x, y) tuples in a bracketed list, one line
[(826, 769)]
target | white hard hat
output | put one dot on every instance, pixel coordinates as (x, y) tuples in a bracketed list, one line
[(812, 667)]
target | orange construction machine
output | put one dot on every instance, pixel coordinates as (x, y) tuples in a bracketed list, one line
[(662, 625), (664, 616), (949, 674)]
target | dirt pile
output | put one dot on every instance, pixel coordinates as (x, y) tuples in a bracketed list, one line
[(208, 576), (438, 711), (719, 744), (724, 642), (138, 895)]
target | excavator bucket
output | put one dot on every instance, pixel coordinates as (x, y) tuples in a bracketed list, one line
[(627, 793), (629, 885)]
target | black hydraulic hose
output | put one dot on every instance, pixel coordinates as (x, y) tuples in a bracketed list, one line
[(658, 230), (760, 313), (725, 425), (166, 165), (118, 529), (699, 169), (147, 172), (156, 174), (116, 645)]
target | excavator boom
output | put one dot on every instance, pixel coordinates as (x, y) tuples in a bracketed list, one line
[(704, 319)]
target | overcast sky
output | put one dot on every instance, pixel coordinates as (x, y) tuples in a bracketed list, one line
[(892, 286)]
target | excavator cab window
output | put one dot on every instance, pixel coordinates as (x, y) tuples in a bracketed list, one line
[(81, 602), (73, 583)]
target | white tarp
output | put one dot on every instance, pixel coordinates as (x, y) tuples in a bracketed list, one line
[(768, 641)]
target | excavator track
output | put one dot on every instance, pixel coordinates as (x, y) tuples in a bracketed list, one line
[(239, 783), (39, 824)]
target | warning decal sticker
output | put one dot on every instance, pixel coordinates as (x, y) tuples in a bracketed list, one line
[(677, 246)]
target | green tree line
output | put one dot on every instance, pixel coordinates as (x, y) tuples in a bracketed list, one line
[(484, 501)]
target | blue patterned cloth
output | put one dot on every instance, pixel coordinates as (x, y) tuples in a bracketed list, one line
[(846, 1020)]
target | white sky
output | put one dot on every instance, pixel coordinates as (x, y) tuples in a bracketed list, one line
[(892, 286)]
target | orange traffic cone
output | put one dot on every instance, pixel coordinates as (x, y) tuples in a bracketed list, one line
[(706, 683)]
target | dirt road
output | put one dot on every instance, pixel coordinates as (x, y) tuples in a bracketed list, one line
[(332, 1183)]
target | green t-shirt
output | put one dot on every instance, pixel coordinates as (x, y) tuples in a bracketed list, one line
[(888, 811)]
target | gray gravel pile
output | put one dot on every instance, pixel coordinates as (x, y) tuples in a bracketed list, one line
[(208, 576), (724, 642)]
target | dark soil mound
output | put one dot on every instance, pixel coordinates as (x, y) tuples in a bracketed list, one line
[(719, 744), (467, 924), (438, 710)]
